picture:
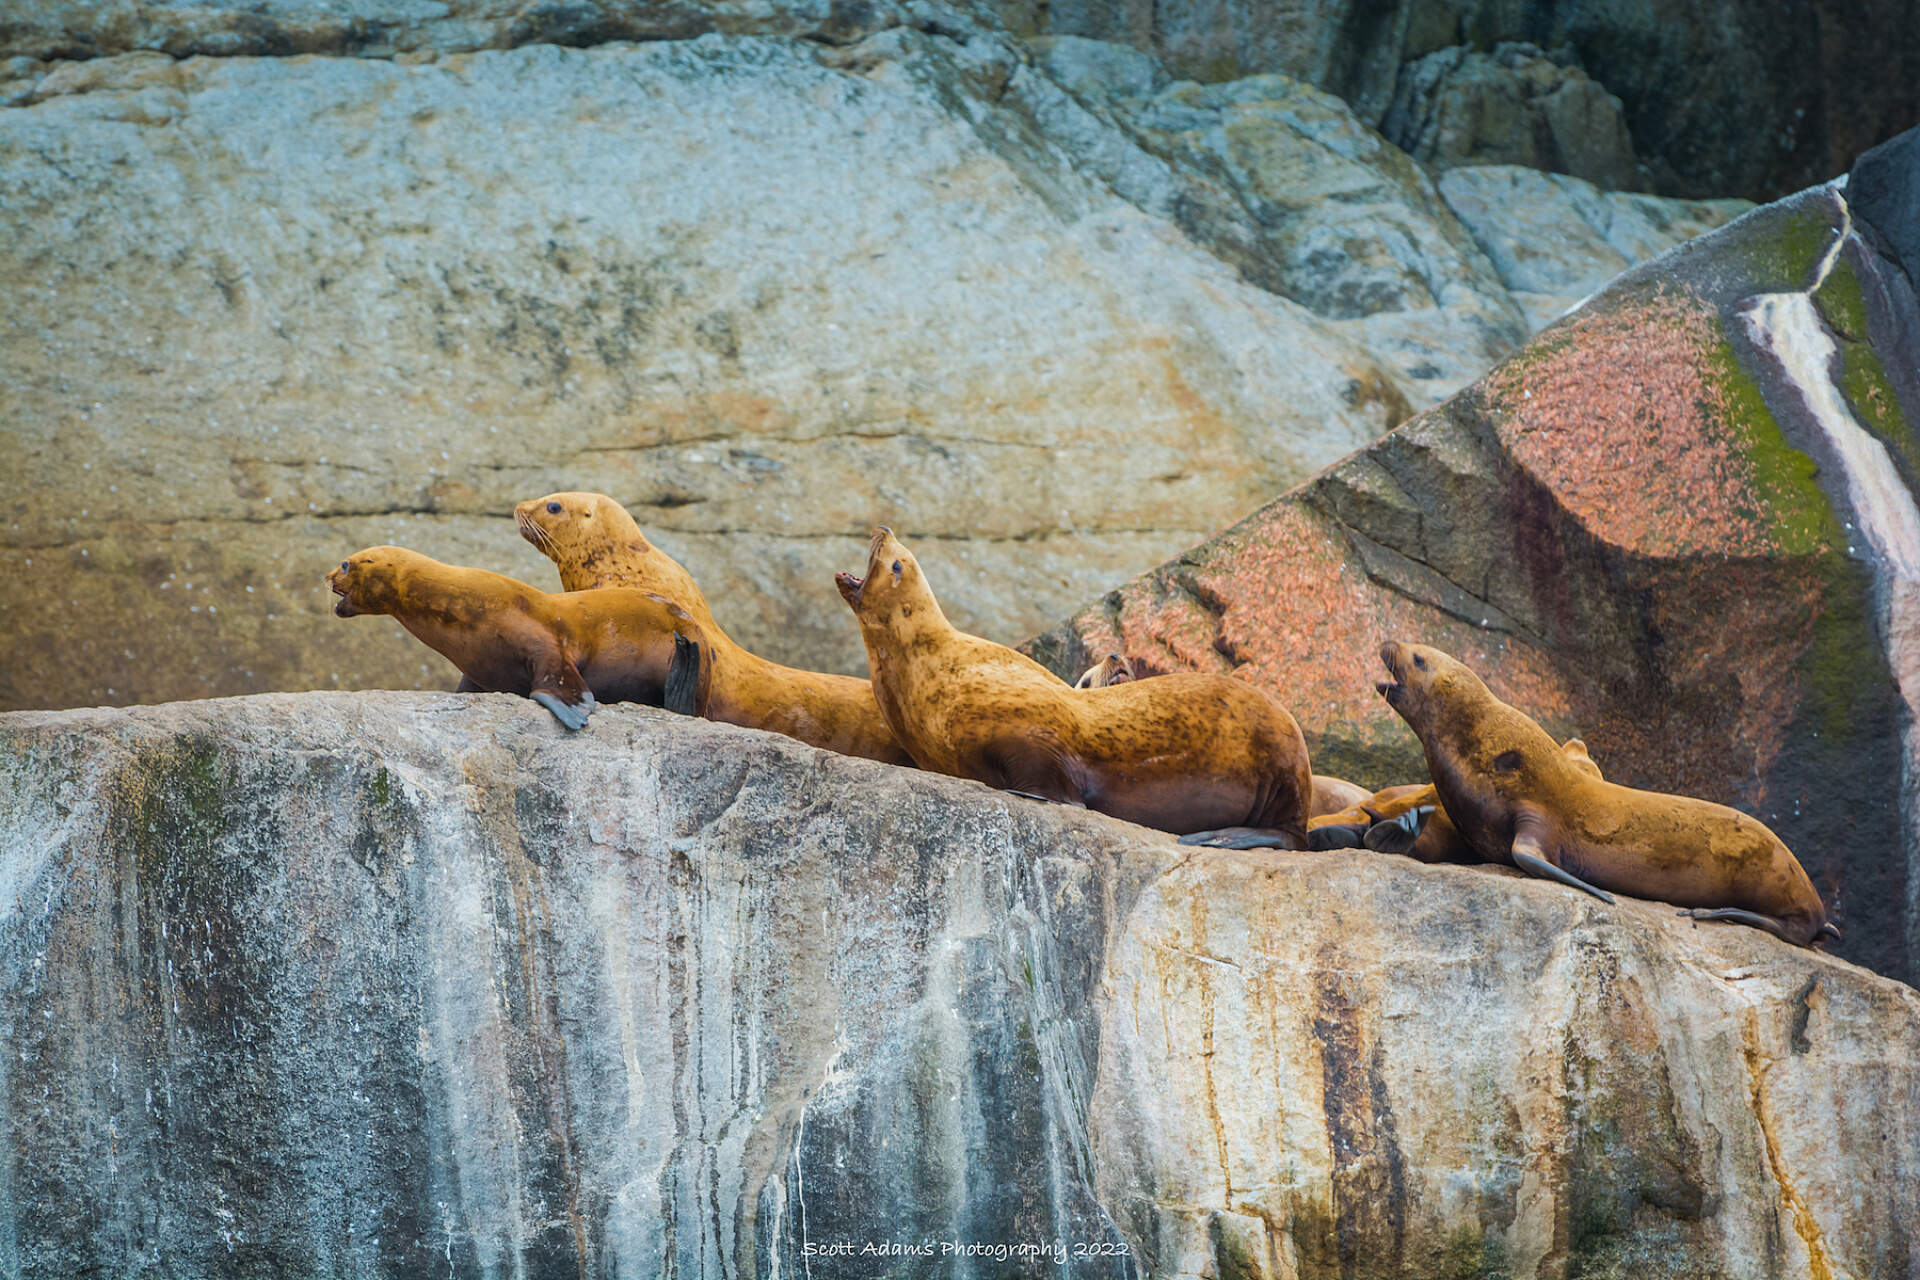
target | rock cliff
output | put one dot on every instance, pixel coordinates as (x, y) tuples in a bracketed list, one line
[(1681, 524), (820, 266), (407, 984)]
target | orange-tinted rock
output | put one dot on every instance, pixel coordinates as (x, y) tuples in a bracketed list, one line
[(1641, 529)]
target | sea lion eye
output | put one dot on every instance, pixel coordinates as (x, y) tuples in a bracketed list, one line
[(553, 508), (1419, 662), (346, 566), (896, 568)]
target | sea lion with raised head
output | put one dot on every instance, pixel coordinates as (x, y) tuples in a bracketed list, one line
[(1178, 752), (567, 651), (1520, 799), (595, 543), (1409, 819)]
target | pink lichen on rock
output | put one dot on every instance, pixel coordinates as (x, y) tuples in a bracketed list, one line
[(1622, 415), (1298, 616)]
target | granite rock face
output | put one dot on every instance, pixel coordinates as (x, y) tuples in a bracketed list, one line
[(1744, 98), (1680, 524), (1514, 106), (1557, 240), (765, 290), (402, 984)]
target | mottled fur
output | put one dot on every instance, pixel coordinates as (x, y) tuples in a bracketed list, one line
[(1178, 752), (594, 543), (566, 650), (1521, 799)]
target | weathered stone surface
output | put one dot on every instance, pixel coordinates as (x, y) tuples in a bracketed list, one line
[(1742, 98), (1557, 240), (1680, 524), (403, 984), (1282, 181), (1514, 106), (80, 29), (263, 312)]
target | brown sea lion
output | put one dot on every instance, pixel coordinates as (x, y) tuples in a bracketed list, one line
[(566, 651), (595, 543), (1519, 799), (1112, 669), (1410, 820), (1330, 794), (1178, 752)]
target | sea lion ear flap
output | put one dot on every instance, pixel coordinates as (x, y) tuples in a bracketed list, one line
[(687, 677)]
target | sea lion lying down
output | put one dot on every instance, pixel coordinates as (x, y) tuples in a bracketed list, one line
[(1178, 752), (1330, 795), (1518, 799)]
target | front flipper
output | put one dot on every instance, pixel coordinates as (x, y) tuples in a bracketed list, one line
[(1530, 835), (1242, 838), (1773, 925), (1396, 835), (684, 677), (560, 688)]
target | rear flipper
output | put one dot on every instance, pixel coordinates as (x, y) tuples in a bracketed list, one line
[(1035, 795), (683, 678), (1244, 838), (560, 688), (1777, 927), (1396, 835), (1336, 835), (1530, 836)]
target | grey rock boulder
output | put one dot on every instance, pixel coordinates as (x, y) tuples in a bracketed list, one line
[(1556, 240), (1514, 106), (388, 985)]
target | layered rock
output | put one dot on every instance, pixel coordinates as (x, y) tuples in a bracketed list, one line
[(262, 312), (1514, 106), (405, 984), (1720, 99), (1680, 524)]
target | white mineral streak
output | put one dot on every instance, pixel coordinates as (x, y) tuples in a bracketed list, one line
[(1787, 326)]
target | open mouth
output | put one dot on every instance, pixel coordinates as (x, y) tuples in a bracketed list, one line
[(341, 607), (850, 587), (1390, 655)]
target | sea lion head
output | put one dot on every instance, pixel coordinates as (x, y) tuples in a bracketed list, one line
[(1424, 680), (575, 528), (893, 592), (1112, 669), (368, 581)]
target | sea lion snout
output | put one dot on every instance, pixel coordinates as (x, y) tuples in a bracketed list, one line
[(337, 581)]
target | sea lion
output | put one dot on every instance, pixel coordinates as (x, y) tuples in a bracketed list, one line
[(567, 651), (595, 543), (1519, 799), (1410, 820), (1330, 794), (1112, 669), (1178, 752)]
